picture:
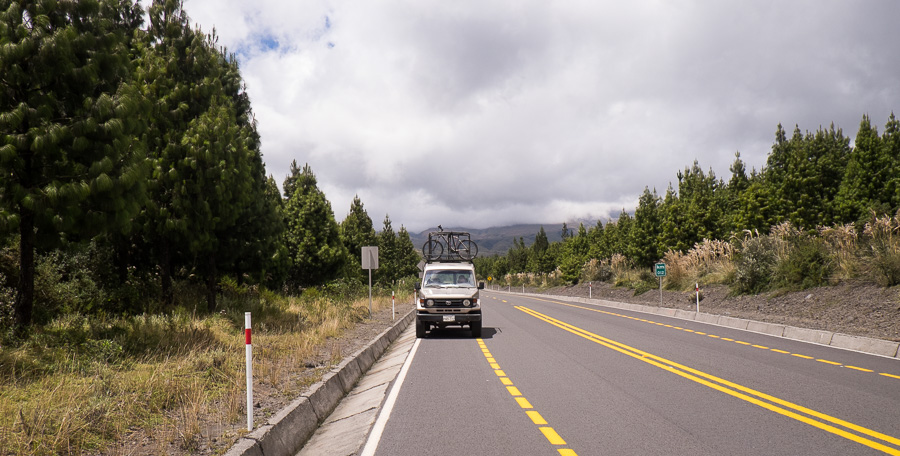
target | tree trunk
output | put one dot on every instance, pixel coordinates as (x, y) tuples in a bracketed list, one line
[(211, 283), (165, 273), (25, 293)]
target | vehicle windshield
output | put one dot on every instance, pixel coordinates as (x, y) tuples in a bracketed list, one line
[(449, 279)]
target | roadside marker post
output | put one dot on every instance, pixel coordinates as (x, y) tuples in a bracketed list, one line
[(249, 353), (698, 296), (590, 290), (393, 311)]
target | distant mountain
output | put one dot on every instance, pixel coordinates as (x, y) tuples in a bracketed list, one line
[(498, 240)]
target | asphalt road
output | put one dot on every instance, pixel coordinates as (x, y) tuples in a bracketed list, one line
[(556, 378)]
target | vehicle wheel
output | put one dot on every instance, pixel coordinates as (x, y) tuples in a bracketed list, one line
[(475, 326), (420, 329), (467, 250), (432, 250)]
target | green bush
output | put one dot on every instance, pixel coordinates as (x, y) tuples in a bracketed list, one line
[(884, 264), (807, 264), (754, 265)]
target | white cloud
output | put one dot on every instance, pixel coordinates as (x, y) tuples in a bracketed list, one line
[(487, 113)]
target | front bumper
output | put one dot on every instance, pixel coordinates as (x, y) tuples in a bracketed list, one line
[(457, 317)]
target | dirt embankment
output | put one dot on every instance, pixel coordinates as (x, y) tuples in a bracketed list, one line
[(853, 308)]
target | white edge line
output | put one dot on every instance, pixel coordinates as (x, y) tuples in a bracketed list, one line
[(385, 413)]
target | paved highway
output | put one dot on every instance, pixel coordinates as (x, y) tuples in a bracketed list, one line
[(550, 377)]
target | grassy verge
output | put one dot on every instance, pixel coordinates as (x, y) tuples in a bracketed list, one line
[(81, 383)]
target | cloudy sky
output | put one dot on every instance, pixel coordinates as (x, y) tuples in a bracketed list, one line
[(488, 113)]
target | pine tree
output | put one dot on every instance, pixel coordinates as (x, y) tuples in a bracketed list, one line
[(183, 74), (574, 255), (290, 182), (644, 242), (863, 187), (357, 231), (312, 235), (890, 142), (215, 190), (407, 256), (70, 116), (387, 253)]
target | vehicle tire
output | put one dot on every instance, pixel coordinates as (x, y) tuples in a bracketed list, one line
[(432, 250), (467, 250), (420, 329), (475, 326)]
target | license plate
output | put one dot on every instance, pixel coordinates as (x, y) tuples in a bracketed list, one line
[(450, 318)]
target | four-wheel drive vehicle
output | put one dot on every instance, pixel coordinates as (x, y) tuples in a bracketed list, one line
[(448, 296)]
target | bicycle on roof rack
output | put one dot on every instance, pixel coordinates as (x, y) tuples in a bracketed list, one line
[(458, 246)]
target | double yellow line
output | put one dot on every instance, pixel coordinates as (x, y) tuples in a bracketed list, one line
[(864, 436)]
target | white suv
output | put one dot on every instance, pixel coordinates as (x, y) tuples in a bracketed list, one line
[(448, 296)]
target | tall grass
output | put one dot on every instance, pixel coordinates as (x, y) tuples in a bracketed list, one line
[(81, 382), (784, 259)]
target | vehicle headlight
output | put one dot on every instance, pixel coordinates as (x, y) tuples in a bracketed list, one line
[(429, 302), (467, 303)]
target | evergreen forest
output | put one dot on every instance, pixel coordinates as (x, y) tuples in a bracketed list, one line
[(131, 171)]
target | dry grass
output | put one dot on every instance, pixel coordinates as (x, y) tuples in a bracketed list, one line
[(83, 383)]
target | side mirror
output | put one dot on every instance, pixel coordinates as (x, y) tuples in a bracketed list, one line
[(418, 286), (481, 285)]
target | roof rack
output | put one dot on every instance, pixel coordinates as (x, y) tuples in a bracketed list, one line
[(449, 246)]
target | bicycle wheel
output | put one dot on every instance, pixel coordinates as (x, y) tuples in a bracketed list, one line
[(432, 250), (467, 250)]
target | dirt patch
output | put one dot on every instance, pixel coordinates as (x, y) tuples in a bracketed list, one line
[(217, 434), (852, 308)]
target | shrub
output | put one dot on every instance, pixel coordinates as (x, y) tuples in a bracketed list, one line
[(883, 255), (597, 271), (754, 264), (807, 264)]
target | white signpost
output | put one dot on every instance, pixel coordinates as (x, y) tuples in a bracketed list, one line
[(370, 262)]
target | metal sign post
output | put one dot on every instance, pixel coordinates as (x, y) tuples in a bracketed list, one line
[(660, 272), (370, 262)]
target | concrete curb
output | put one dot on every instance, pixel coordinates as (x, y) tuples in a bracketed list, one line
[(287, 431), (862, 344)]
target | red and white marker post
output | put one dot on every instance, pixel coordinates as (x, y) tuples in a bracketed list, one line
[(392, 306), (590, 290), (249, 351)]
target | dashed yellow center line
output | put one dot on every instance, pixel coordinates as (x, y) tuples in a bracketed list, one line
[(523, 403), (829, 362), (549, 433), (762, 347), (552, 436), (536, 417)]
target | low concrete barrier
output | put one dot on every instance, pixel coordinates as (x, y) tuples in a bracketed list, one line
[(287, 431)]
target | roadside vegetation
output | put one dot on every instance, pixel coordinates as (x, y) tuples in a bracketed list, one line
[(820, 212), (81, 382)]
